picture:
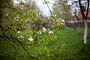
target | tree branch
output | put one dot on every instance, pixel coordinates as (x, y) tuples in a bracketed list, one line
[(87, 10), (9, 38), (48, 7)]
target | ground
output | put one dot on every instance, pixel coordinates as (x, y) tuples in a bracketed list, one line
[(73, 49)]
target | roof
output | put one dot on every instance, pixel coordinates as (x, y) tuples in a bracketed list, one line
[(79, 16)]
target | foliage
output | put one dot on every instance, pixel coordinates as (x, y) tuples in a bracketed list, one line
[(56, 22), (62, 10), (69, 47), (66, 12), (14, 21)]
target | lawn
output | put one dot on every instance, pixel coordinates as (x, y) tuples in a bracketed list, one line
[(68, 39), (74, 48)]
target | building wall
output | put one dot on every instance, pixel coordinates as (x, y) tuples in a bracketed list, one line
[(75, 24)]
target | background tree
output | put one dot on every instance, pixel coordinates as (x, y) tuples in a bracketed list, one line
[(62, 10), (14, 20), (85, 20)]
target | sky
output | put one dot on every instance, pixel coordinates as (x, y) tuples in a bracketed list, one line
[(43, 7), (17, 2)]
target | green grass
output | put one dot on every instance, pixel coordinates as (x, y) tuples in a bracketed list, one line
[(74, 49)]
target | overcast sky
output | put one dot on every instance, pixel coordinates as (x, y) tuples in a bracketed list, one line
[(43, 7)]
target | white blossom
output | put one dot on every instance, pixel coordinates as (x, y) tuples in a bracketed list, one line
[(40, 33), (19, 32), (30, 39), (63, 20), (6, 14), (50, 32), (62, 24), (20, 36), (44, 29), (55, 15)]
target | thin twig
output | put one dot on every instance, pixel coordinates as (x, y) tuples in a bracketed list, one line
[(48, 7)]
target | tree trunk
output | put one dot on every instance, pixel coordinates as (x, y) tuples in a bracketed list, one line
[(78, 28), (85, 32)]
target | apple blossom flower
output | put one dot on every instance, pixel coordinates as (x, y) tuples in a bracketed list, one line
[(44, 29), (30, 39), (50, 32), (62, 24), (6, 14), (63, 20), (20, 36), (19, 32), (40, 32)]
